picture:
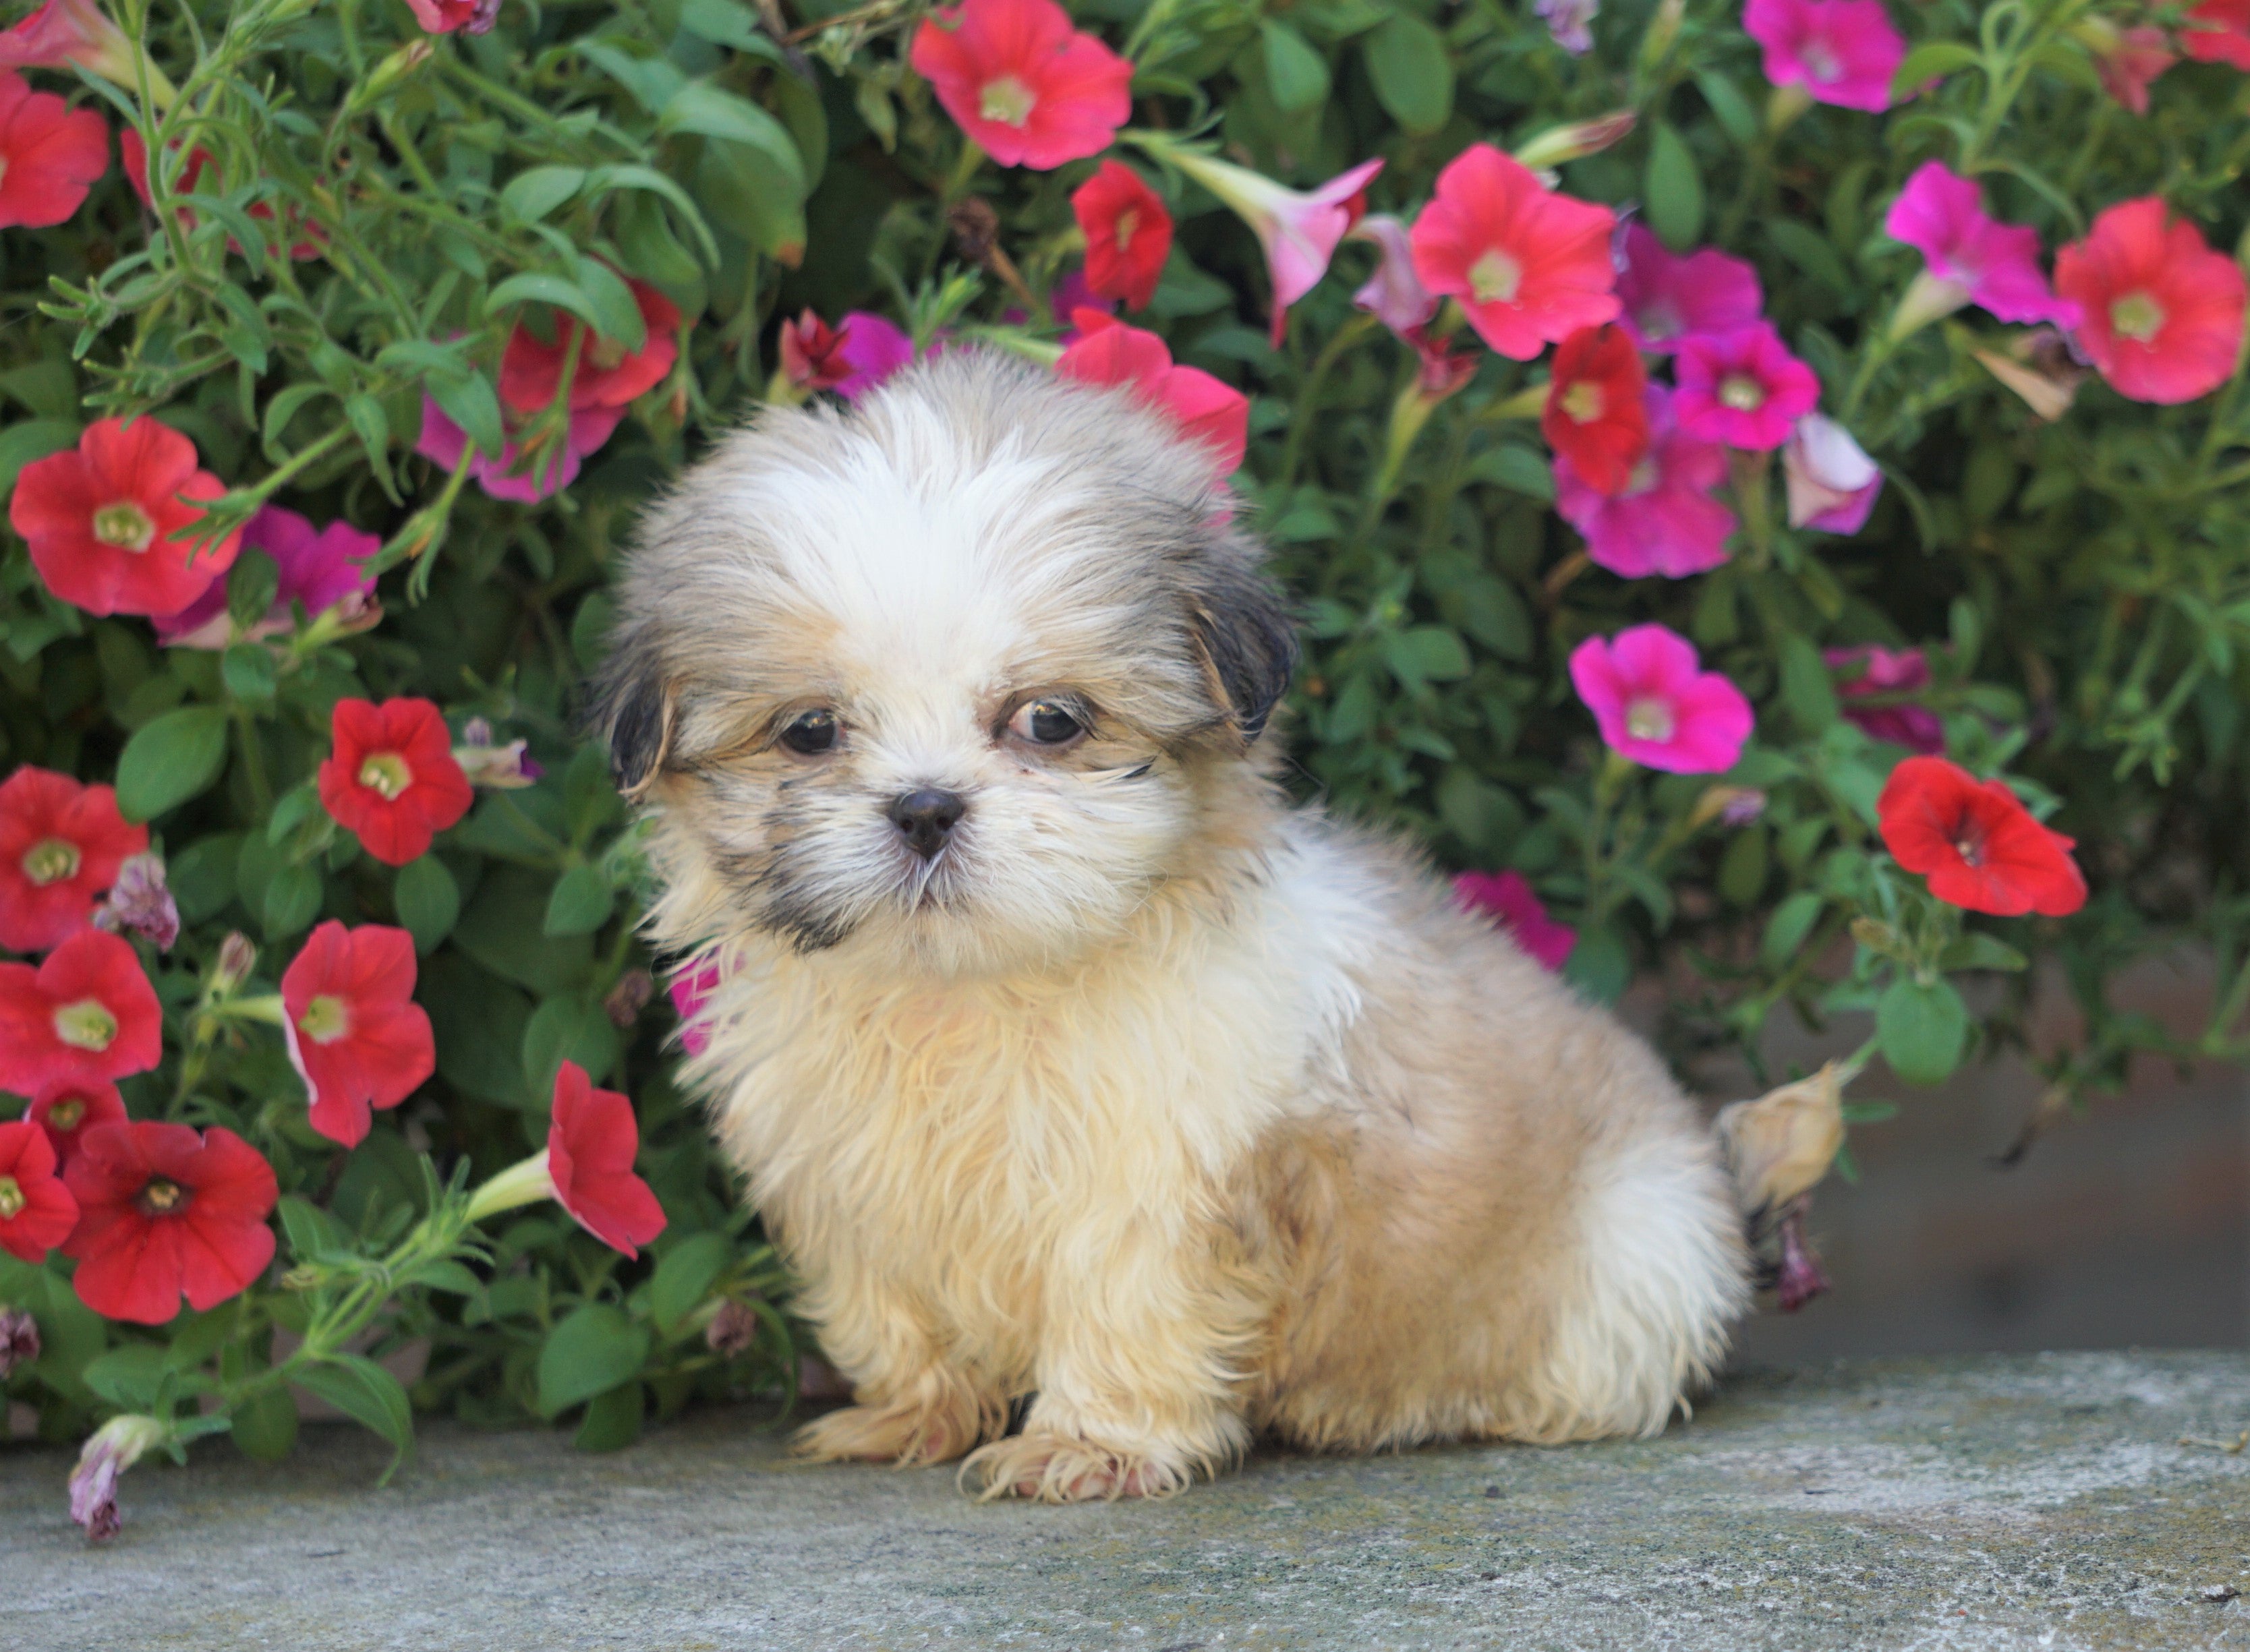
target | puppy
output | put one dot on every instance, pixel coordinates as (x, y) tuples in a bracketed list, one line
[(1067, 1062)]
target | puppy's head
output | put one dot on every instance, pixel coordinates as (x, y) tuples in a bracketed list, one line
[(960, 674)]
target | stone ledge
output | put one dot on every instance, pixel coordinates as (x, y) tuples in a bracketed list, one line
[(2037, 1502)]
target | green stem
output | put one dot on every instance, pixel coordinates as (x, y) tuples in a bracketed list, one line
[(253, 763), (1300, 415)]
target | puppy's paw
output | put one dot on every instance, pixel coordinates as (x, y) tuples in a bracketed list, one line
[(1057, 1468), (935, 1424)]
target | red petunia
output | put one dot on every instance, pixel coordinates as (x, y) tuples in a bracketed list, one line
[(165, 1211), (392, 777), (2218, 31), (1206, 410), (37, 1211), (67, 1108), (356, 1035), (50, 154), (1027, 87), (1529, 266), (86, 1013), (1129, 234), (1596, 413), (2162, 312), (106, 521), (1976, 843), (61, 843), (608, 374), (590, 1146)]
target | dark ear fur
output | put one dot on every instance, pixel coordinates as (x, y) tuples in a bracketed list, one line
[(632, 711), (1244, 632)]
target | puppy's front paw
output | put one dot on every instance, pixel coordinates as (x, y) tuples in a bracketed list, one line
[(1058, 1468), (910, 1432)]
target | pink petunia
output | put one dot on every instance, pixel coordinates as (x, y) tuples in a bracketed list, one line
[(1394, 294), (1840, 52), (1833, 483), (1871, 670), (1656, 705), (1529, 265), (1742, 388), (1509, 901), (1973, 258), (1299, 229), (443, 442), (1666, 297), (321, 570), (1665, 521), (691, 989)]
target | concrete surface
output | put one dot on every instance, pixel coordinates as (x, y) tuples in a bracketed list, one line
[(2040, 1501)]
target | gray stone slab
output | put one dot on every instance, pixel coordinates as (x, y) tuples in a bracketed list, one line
[(2037, 1502)]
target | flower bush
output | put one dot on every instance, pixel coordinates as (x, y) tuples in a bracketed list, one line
[(1718, 536)]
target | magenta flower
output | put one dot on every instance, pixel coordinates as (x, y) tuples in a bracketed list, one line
[(1833, 483), (1568, 21), (1666, 297), (443, 442), (691, 989), (1073, 293), (1665, 520), (1509, 902), (1800, 1277), (1394, 294), (323, 570), (1871, 670), (1973, 258), (1654, 704), (1742, 388), (1841, 52), (873, 348)]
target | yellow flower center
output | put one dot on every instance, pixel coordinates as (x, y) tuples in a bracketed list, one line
[(124, 525), (1820, 63), (66, 1113), (12, 1199), (1583, 401), (1007, 101), (1121, 230), (50, 861), (86, 1024), (605, 353), (2137, 316), (1495, 278), (1743, 393), (1649, 720), (162, 1196), (325, 1020), (386, 775), (1644, 479)]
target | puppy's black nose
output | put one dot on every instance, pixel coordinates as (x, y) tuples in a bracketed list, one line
[(926, 818)]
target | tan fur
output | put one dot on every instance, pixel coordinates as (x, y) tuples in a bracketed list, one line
[(1179, 1112)]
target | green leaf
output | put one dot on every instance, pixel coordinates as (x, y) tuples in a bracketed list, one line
[(1806, 689), (683, 1277), (265, 1426), (1933, 60), (1674, 188), (1600, 965), (619, 316), (202, 876), (471, 402), (1295, 74), (724, 22), (582, 901), (1413, 76), (427, 899), (746, 190), (1977, 950), (1728, 108), (1425, 654), (170, 760), (1785, 931), (32, 439), (314, 1234), (531, 194), (652, 81), (592, 1351), (566, 1030), (129, 1377), (293, 900), (368, 1395), (614, 1420), (537, 287), (703, 108), (1921, 1029), (248, 671), (1514, 467), (1809, 250)]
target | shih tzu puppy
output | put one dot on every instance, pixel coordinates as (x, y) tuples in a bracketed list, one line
[(1068, 1063)]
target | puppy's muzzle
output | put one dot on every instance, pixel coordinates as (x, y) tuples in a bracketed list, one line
[(926, 819)]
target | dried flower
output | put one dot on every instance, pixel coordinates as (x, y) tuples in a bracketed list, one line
[(140, 904), (113, 1447), (19, 1341), (629, 997), (733, 1330), (1800, 1277), (1780, 1146)]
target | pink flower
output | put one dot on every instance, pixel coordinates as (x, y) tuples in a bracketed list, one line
[(1871, 670), (1833, 483), (1027, 87), (2218, 31), (1529, 266), (63, 32), (1509, 902), (1841, 52), (1742, 388), (2127, 60), (1973, 258), (1298, 230), (1666, 297), (2162, 311), (1655, 706), (691, 989), (1207, 410), (1567, 22), (1394, 294), (321, 570), (1665, 520), (443, 442)]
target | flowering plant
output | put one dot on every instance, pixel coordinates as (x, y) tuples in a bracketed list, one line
[(1756, 477)]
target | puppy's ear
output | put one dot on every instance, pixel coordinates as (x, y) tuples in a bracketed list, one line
[(1243, 632), (634, 709)]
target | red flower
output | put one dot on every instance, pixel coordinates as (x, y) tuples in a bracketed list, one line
[(1978, 844), (88, 1013), (1597, 414), (50, 154), (106, 520), (67, 1108), (2162, 312), (165, 1211), (2218, 31), (608, 374), (1026, 86), (61, 843), (1529, 265), (36, 1212), (1108, 352), (356, 1035), (392, 777), (1129, 234), (590, 1147)]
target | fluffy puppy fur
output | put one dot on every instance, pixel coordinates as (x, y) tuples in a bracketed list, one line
[(1175, 1111)]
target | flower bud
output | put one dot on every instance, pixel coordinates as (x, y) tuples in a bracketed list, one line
[(1780, 1146), (1735, 805), (237, 957), (19, 1341), (387, 75), (1578, 139)]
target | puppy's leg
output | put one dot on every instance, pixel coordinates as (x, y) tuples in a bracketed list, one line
[(1136, 1386), (911, 1405)]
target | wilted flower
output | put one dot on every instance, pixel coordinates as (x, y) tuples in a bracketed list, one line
[(1833, 484), (1873, 670), (2127, 60), (624, 1002), (1799, 1278), (19, 1341), (1575, 140), (1780, 1146), (503, 767), (238, 956), (1729, 805), (734, 1330), (2040, 366), (113, 1447), (1394, 294), (140, 904), (1567, 21), (851, 358)]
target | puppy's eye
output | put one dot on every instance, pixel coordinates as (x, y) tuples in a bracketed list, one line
[(1044, 723), (811, 733)]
